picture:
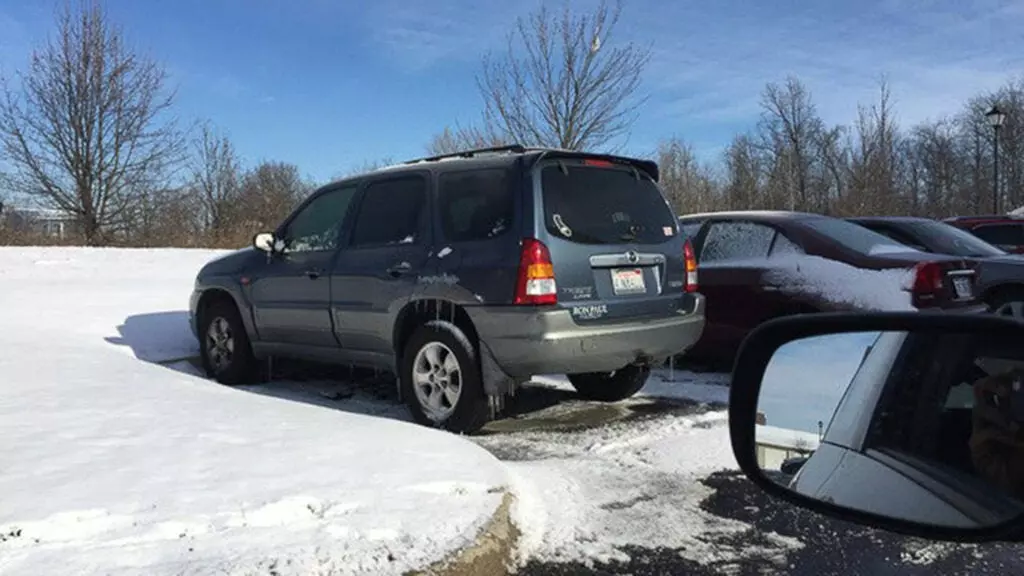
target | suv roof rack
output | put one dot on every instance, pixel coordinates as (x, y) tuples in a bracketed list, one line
[(513, 148)]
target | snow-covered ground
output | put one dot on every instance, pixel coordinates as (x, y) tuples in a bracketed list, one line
[(113, 465), (592, 494)]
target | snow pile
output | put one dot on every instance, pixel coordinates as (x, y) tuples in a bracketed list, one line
[(589, 495), (842, 284), (114, 465)]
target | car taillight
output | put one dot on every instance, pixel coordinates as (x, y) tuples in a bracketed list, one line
[(927, 278), (536, 283), (690, 283)]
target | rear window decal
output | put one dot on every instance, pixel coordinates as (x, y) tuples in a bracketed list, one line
[(560, 224), (667, 230)]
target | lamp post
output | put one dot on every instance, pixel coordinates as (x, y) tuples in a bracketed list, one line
[(995, 118)]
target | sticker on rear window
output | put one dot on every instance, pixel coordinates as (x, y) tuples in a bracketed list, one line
[(667, 230), (560, 224)]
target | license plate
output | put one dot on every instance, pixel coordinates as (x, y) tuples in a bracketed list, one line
[(628, 281), (962, 288)]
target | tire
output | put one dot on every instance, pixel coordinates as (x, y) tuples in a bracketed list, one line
[(230, 360), (611, 386), (443, 389), (1008, 303)]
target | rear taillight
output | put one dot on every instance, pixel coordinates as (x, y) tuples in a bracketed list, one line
[(927, 279), (536, 283), (690, 283)]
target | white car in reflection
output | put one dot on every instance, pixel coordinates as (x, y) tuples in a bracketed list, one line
[(897, 442)]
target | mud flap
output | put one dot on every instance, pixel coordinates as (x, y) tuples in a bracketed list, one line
[(497, 384)]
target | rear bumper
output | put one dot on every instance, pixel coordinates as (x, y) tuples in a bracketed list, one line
[(526, 342)]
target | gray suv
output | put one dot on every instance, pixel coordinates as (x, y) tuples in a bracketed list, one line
[(465, 275)]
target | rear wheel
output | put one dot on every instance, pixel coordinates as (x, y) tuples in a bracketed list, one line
[(611, 386), (225, 349), (441, 379)]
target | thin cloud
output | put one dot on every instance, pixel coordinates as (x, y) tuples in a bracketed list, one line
[(711, 65), (417, 36)]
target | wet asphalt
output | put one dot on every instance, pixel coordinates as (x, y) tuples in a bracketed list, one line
[(830, 547)]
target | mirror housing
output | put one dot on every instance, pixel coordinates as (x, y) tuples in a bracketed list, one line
[(746, 415), (265, 242)]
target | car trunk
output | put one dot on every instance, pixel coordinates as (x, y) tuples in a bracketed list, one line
[(954, 283), (615, 246)]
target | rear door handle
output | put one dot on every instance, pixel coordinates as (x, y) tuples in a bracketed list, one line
[(399, 269), (313, 273)]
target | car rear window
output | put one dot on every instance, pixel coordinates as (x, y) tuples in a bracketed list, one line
[(952, 240), (1000, 234), (856, 237), (592, 205)]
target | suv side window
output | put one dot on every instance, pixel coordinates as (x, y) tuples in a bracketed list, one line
[(475, 205), (736, 241), (317, 227), (391, 212), (1001, 234)]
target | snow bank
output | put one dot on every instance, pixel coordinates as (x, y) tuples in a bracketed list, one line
[(113, 465), (842, 284)]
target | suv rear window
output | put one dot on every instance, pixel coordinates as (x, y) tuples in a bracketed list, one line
[(591, 205)]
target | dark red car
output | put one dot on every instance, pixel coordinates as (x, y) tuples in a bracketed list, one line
[(1005, 232), (755, 266)]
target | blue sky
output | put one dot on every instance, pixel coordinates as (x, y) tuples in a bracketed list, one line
[(328, 84)]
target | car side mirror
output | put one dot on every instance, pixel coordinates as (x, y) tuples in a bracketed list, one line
[(267, 242), (909, 422)]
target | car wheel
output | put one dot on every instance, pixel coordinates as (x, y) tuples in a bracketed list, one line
[(441, 379), (611, 386), (1010, 304), (224, 345)]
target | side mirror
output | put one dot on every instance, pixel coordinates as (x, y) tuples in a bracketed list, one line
[(265, 241), (909, 422)]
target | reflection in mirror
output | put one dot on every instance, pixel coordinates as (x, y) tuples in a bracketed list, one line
[(925, 427)]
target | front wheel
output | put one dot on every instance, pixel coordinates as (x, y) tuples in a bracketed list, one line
[(441, 379), (224, 345), (611, 386)]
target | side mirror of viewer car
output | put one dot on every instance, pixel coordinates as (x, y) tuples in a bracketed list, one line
[(909, 422)]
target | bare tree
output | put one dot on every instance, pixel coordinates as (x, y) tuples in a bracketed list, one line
[(452, 140), (267, 195), (215, 176), (562, 82), (744, 167), (791, 131), (366, 166), (85, 136), (688, 185), (875, 163)]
